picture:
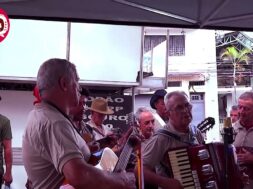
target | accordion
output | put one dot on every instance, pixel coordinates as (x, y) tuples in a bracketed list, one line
[(208, 166)]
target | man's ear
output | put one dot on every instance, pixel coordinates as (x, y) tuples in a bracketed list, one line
[(63, 83), (155, 104), (168, 113)]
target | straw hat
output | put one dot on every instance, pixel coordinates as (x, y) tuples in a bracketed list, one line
[(100, 105)]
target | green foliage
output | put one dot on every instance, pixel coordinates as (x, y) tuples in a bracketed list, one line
[(235, 56)]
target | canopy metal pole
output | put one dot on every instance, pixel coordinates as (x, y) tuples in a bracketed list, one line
[(68, 41), (167, 59), (133, 99), (150, 9)]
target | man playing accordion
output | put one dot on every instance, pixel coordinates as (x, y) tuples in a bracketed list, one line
[(176, 133)]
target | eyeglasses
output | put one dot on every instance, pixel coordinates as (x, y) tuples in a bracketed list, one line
[(152, 121), (245, 108), (182, 107)]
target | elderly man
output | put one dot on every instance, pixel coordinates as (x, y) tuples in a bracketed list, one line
[(145, 120), (99, 109), (234, 114), (145, 124), (155, 164), (244, 130), (52, 148)]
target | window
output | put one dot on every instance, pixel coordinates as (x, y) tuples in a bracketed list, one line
[(174, 83), (177, 45), (151, 41), (197, 96), (196, 83)]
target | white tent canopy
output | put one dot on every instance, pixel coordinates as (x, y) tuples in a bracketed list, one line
[(212, 14)]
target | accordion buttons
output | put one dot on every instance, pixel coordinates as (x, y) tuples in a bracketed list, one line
[(207, 169), (211, 185), (203, 154)]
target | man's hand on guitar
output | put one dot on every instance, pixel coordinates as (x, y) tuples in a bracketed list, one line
[(135, 141), (112, 140), (93, 146)]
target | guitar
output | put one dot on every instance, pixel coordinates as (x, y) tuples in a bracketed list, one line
[(109, 160), (139, 164), (106, 141), (206, 124)]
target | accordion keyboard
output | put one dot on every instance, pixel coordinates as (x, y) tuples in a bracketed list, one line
[(181, 168)]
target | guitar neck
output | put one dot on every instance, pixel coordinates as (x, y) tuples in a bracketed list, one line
[(123, 158), (126, 152)]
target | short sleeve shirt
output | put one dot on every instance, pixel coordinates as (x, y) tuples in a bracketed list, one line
[(96, 133), (243, 136), (5, 134), (49, 141), (158, 145)]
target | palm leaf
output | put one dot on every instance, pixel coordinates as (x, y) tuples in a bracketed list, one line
[(244, 55)]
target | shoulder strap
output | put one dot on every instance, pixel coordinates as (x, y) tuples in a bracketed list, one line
[(89, 128), (167, 133), (194, 134), (170, 134), (174, 136)]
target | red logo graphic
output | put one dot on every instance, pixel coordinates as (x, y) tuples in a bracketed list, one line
[(4, 25)]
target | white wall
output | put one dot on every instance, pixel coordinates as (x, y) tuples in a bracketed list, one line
[(16, 105), (200, 57), (142, 101)]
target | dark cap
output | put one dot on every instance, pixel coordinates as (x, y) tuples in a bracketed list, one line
[(157, 95)]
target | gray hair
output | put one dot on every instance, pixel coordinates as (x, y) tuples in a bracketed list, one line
[(234, 107), (168, 96), (51, 70), (246, 95), (140, 110)]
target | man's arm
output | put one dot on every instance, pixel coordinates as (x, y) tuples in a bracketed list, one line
[(80, 174), (151, 178), (8, 160)]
